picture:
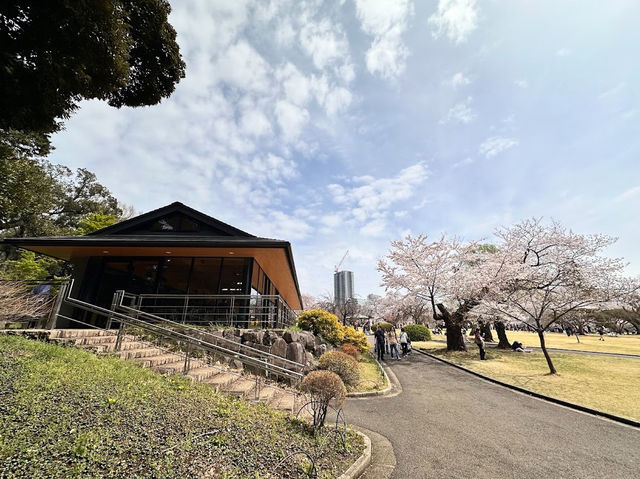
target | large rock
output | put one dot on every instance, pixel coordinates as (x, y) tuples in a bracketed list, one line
[(291, 336), (230, 334), (308, 340), (279, 348), (269, 337), (252, 336), (295, 352), (319, 350), (310, 362)]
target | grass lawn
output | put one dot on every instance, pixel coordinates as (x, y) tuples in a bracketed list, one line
[(607, 384), (66, 413), (371, 376), (627, 344)]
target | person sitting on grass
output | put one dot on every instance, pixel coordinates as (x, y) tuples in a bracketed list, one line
[(518, 347)]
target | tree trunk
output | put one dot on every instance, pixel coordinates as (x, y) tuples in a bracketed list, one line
[(577, 337), (503, 341), (453, 323), (485, 328), (552, 369)]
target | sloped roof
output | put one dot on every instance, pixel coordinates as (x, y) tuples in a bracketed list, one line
[(133, 226)]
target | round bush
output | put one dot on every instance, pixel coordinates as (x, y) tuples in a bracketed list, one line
[(341, 364), (349, 349), (323, 386), (417, 332), (386, 327), (356, 338), (322, 323)]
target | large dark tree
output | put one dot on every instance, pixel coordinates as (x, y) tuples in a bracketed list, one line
[(55, 53), (38, 198)]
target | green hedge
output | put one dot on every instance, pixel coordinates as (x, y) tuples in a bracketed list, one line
[(418, 332)]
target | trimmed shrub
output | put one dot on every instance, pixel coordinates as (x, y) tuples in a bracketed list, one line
[(386, 327), (350, 349), (358, 339), (342, 364), (417, 332), (323, 386), (322, 323)]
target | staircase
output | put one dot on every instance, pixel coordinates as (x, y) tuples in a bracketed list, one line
[(221, 378)]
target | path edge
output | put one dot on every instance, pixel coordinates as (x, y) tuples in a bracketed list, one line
[(570, 405), (358, 467), (392, 383)]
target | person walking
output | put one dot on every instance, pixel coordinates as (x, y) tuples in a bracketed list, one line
[(379, 335), (479, 340), (404, 340), (392, 340)]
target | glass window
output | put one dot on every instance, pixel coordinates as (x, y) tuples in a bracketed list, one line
[(174, 277), (233, 276), (205, 276), (115, 276), (143, 276)]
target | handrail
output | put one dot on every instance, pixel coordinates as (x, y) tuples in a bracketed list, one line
[(153, 317), (272, 309), (190, 340)]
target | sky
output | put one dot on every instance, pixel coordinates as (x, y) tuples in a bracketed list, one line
[(342, 125)]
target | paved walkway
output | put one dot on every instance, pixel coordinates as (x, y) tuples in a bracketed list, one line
[(450, 424)]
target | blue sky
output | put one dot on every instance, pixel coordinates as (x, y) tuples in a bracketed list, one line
[(345, 124)]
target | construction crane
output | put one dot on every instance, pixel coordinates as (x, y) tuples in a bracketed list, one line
[(337, 267)]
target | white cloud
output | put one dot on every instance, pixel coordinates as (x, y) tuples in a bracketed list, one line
[(371, 198), (459, 80), (465, 162), (242, 67), (324, 42), (386, 21), (496, 145), (612, 92), (337, 101), (521, 83), (460, 113), (454, 18), (296, 86), (291, 119), (628, 195), (376, 227), (563, 52)]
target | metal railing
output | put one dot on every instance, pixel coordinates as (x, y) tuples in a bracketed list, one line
[(242, 310), (186, 338)]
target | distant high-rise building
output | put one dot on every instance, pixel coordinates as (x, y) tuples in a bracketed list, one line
[(343, 286)]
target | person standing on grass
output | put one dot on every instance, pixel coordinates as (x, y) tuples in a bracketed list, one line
[(479, 340), (392, 340), (404, 340), (379, 335)]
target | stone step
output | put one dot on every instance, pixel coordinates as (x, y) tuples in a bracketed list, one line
[(175, 367), (221, 380), (159, 360), (266, 394), (79, 333), (203, 372), (139, 352), (241, 387), (283, 401)]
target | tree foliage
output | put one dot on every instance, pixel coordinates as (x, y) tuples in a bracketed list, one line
[(38, 198), (55, 54)]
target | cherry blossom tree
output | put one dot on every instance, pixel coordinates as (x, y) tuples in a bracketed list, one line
[(452, 276), (549, 272)]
